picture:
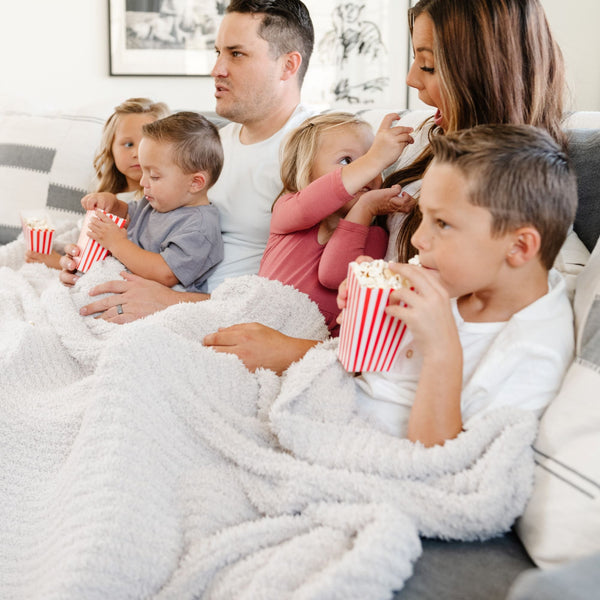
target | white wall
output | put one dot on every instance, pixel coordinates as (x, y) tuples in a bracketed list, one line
[(55, 55), (575, 25)]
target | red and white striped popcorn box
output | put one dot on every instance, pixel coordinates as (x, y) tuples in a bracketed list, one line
[(38, 231), (369, 337), (91, 250)]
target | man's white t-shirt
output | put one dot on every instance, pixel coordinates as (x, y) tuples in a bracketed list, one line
[(244, 194), (518, 363)]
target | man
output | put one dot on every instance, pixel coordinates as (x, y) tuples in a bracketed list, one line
[(263, 50)]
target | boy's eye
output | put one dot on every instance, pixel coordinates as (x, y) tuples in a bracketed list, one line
[(346, 160)]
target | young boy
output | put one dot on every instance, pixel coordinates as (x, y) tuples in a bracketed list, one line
[(489, 320), (173, 235)]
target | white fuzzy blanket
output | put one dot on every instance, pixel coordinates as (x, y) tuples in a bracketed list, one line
[(136, 463)]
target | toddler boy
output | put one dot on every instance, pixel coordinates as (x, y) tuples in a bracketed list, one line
[(173, 236), (489, 321)]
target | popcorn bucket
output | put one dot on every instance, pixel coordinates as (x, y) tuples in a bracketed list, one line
[(38, 231), (91, 250), (369, 338)]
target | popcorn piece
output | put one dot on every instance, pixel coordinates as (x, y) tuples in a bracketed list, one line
[(38, 223), (377, 274)]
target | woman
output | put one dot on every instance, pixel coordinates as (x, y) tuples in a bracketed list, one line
[(475, 62)]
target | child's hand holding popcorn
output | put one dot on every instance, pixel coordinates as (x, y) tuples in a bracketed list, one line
[(105, 201), (425, 308), (105, 231)]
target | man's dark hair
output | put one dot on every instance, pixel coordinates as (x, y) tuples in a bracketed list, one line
[(286, 26)]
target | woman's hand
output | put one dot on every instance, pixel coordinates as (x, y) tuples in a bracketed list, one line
[(259, 346)]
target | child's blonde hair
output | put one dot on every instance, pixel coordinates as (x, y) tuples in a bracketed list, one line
[(302, 145), (110, 179), (520, 174), (196, 142)]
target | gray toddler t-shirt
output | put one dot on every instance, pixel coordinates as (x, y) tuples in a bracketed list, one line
[(188, 239)]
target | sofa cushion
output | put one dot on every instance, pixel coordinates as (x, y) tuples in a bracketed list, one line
[(562, 519), (577, 580), (45, 164), (584, 150), (462, 570)]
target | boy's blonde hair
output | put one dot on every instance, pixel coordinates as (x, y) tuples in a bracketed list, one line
[(302, 144), (520, 174), (110, 179), (196, 142)]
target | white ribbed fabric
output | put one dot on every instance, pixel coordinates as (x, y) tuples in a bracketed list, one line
[(137, 463)]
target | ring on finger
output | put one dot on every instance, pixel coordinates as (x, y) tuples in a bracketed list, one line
[(119, 309)]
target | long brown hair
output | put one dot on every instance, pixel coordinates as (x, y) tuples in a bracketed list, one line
[(498, 63)]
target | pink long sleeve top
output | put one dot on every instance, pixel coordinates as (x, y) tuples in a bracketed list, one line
[(294, 255)]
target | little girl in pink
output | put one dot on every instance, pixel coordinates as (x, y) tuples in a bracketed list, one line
[(324, 217)]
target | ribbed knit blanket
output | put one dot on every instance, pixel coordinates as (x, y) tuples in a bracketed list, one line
[(137, 463)]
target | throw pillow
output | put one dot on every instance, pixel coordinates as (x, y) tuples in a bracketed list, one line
[(562, 519), (45, 164)]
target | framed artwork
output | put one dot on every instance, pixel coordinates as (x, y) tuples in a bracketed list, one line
[(163, 37), (361, 53)]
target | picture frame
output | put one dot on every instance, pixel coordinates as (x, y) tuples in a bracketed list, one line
[(163, 37)]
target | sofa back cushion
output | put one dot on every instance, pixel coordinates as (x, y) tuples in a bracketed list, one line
[(562, 519), (584, 150), (45, 164)]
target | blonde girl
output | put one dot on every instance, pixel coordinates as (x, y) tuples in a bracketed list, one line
[(324, 218), (116, 164)]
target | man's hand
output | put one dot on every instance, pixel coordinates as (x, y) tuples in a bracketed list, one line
[(137, 297), (259, 346)]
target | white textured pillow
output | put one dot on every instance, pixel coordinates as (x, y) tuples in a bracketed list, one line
[(562, 519), (45, 163)]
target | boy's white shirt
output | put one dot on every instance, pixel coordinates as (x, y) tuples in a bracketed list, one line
[(518, 363)]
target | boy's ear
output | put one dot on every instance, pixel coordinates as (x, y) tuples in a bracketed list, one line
[(198, 181), (525, 246), (291, 64)]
